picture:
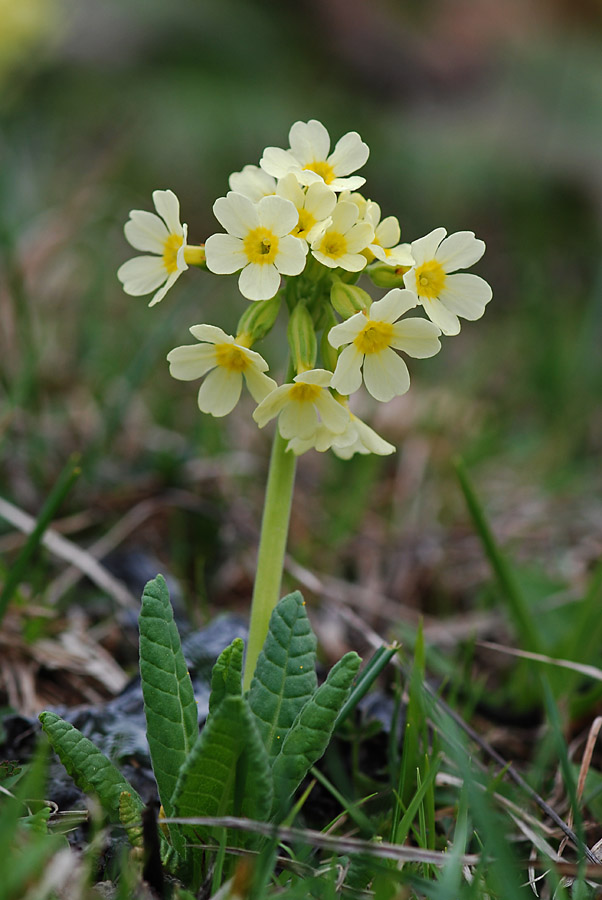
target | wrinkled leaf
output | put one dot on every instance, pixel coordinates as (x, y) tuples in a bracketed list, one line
[(89, 768), (285, 676), (309, 735), (226, 677), (169, 704), (227, 772), (129, 816)]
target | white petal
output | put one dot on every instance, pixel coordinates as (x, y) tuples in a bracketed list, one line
[(334, 416), (351, 262), (466, 295), (277, 214), (359, 237), (416, 337), (393, 305), (344, 216), (446, 320), (278, 162), (168, 207), (329, 261), (386, 375), (310, 141), (236, 213), (259, 281), (300, 445), (191, 361), (320, 200), (224, 254), (401, 255), (142, 274), (349, 154), (411, 282), (372, 441), (256, 359), (371, 211), (289, 188), (298, 420), (322, 377), (259, 385), (290, 259), (166, 287), (253, 182), (347, 331), (347, 378), (220, 391), (347, 184), (146, 231), (272, 405), (460, 250), (211, 333), (388, 232), (425, 247)]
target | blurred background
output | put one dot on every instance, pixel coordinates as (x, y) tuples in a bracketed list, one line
[(480, 115)]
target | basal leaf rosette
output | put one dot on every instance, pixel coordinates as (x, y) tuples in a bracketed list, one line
[(310, 160), (444, 295), (258, 243), (372, 337)]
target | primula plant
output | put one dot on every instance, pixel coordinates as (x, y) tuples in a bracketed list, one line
[(298, 233)]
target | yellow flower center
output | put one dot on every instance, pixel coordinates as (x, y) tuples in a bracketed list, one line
[(305, 393), (374, 337), (170, 252), (231, 358), (323, 169), (304, 225), (333, 244), (261, 245), (430, 279)]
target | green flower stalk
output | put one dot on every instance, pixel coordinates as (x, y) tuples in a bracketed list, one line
[(272, 549)]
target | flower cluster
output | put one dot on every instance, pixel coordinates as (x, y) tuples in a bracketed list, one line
[(299, 233)]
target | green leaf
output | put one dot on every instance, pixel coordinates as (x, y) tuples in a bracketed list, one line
[(169, 704), (285, 676), (227, 772), (226, 677), (89, 768), (129, 816), (309, 735)]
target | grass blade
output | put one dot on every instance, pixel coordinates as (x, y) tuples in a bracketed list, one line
[(506, 579), (58, 493)]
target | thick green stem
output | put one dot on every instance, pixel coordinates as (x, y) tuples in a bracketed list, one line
[(272, 547)]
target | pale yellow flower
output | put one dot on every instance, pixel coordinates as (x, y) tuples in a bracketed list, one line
[(446, 296), (162, 235), (373, 336), (228, 362), (258, 243)]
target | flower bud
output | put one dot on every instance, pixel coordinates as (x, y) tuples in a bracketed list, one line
[(258, 319), (385, 276), (302, 338), (347, 299)]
